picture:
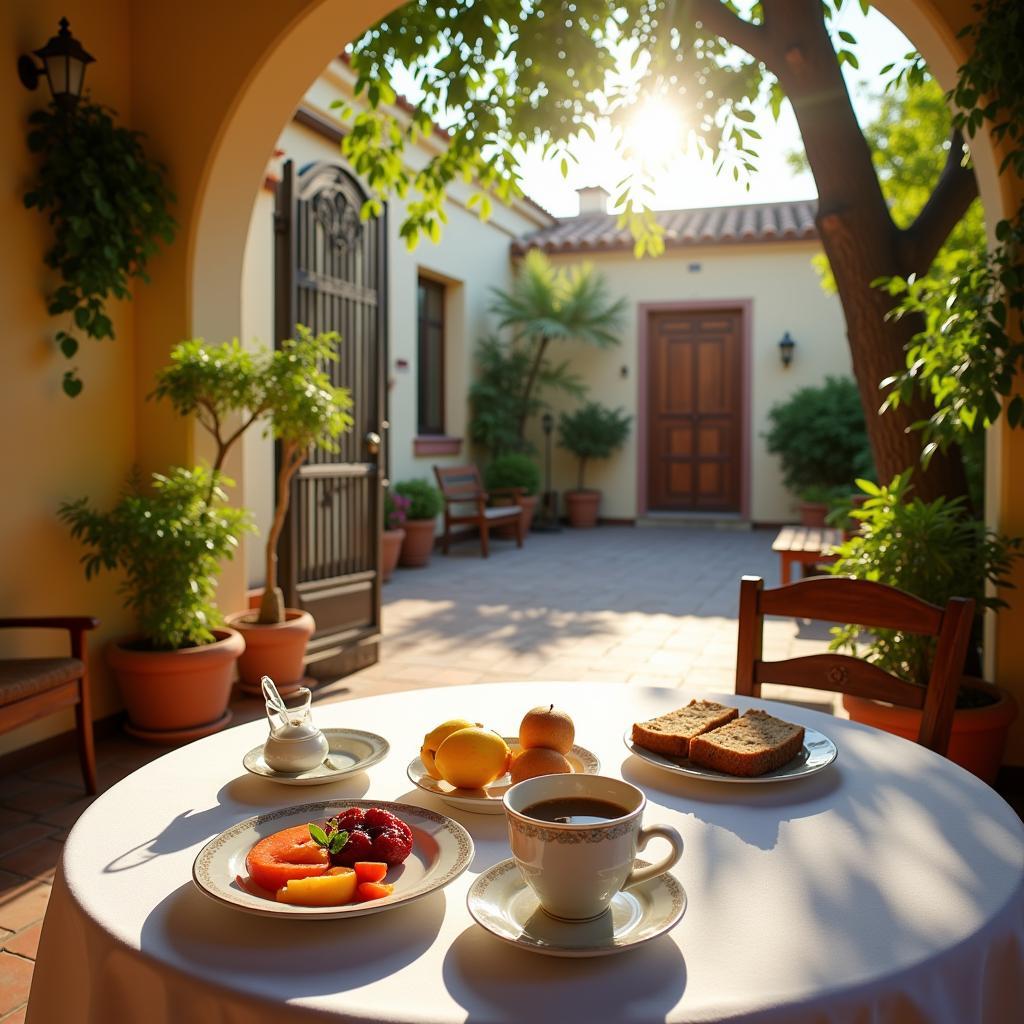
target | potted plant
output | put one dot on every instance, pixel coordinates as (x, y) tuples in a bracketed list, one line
[(591, 432), (935, 551), (175, 676), (396, 508), (230, 389), (425, 504), (820, 437), (517, 475)]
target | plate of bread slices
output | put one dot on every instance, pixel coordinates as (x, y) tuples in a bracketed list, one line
[(713, 741)]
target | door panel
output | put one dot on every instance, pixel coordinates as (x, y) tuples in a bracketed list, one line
[(331, 274), (695, 421)]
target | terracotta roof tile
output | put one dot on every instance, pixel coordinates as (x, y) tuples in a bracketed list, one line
[(758, 222)]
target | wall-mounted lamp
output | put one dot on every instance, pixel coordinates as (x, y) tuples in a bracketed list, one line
[(64, 60), (786, 347)]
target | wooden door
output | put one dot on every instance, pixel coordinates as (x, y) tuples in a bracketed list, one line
[(331, 271), (694, 418)]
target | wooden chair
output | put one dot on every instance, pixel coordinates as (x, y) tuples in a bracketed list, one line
[(32, 688), (462, 486), (843, 600)]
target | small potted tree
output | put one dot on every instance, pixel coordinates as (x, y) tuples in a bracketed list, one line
[(591, 432), (425, 504), (229, 390), (175, 676), (820, 438), (516, 474), (935, 551), (396, 508)]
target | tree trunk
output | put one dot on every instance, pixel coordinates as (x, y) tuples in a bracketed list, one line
[(858, 236)]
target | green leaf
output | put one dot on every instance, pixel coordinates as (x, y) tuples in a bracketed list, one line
[(319, 836), (338, 841), (68, 344), (71, 384)]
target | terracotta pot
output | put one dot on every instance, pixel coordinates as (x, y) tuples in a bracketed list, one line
[(418, 544), (812, 513), (528, 503), (978, 737), (390, 549), (174, 696), (582, 508), (277, 650)]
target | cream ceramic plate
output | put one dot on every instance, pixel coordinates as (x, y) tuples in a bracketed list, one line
[(442, 849), (818, 752), (488, 799), (500, 901), (351, 750)]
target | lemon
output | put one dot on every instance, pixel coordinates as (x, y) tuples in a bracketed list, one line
[(435, 738), (471, 758)]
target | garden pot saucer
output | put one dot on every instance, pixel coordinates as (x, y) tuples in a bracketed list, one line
[(186, 735)]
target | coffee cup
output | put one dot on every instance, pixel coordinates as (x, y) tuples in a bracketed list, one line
[(575, 838)]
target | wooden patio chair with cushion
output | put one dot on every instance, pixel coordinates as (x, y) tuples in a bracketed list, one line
[(32, 688), (462, 488), (861, 602)]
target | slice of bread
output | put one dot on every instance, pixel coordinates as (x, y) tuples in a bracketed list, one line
[(751, 745), (671, 733)]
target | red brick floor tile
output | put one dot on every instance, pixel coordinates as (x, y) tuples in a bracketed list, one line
[(14, 783), (66, 816), (37, 860), (20, 909), (26, 942), (42, 797), (65, 769), (8, 818), (18, 1017), (22, 835), (15, 980)]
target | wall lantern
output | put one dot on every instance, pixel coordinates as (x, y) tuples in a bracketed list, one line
[(64, 60), (786, 347)]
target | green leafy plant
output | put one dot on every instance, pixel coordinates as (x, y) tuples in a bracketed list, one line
[(513, 470), (425, 501), (169, 542), (229, 389), (934, 550), (592, 432), (108, 205), (396, 510), (820, 437)]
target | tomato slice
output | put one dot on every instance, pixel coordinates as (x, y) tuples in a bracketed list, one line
[(374, 890), (370, 870), (285, 855)]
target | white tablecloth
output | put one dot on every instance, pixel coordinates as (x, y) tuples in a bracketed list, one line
[(889, 887)]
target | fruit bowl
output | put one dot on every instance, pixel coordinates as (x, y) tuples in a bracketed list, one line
[(488, 799)]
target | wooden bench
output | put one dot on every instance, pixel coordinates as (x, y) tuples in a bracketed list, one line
[(462, 486), (804, 545)]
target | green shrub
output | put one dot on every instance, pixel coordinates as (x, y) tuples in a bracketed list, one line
[(170, 543), (820, 436), (933, 550), (513, 470), (592, 432), (425, 501)]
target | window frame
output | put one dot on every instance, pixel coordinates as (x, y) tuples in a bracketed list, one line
[(424, 321)]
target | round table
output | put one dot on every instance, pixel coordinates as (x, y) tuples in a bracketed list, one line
[(888, 887)]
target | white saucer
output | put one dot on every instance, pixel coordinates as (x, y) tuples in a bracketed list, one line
[(501, 902), (351, 750), (488, 799)]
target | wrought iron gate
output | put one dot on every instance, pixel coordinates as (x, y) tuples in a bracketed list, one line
[(331, 274)]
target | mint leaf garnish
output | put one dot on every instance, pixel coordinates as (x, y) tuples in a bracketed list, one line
[(338, 841), (319, 836)]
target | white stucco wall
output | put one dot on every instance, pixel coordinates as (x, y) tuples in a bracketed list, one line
[(782, 287)]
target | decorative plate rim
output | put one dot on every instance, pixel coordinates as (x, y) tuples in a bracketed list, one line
[(668, 921), (219, 893), (711, 775), (294, 778)]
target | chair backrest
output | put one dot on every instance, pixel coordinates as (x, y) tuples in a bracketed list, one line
[(863, 603), (459, 483)]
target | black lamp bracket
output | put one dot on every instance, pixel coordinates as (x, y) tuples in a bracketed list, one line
[(29, 72)]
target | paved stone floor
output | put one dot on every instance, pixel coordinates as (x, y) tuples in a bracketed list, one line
[(641, 606)]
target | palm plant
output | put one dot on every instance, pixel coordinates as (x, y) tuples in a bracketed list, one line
[(546, 304)]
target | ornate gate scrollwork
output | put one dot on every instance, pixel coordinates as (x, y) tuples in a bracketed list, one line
[(338, 217)]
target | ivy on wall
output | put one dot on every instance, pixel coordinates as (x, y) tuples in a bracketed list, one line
[(108, 205)]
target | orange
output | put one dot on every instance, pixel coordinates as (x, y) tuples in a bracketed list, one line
[(538, 761), (546, 727), (288, 854)]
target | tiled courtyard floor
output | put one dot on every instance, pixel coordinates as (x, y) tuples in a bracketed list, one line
[(641, 606)]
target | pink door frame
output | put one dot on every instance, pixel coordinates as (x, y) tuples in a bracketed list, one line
[(745, 307)]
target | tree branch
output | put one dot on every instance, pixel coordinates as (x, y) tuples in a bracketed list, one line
[(720, 21), (953, 193)]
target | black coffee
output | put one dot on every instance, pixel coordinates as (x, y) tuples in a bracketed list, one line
[(575, 810)]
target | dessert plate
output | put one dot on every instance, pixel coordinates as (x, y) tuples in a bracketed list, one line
[(817, 753), (501, 902), (351, 750), (441, 850), (488, 799)]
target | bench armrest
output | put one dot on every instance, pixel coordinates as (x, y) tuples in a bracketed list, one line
[(71, 622)]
